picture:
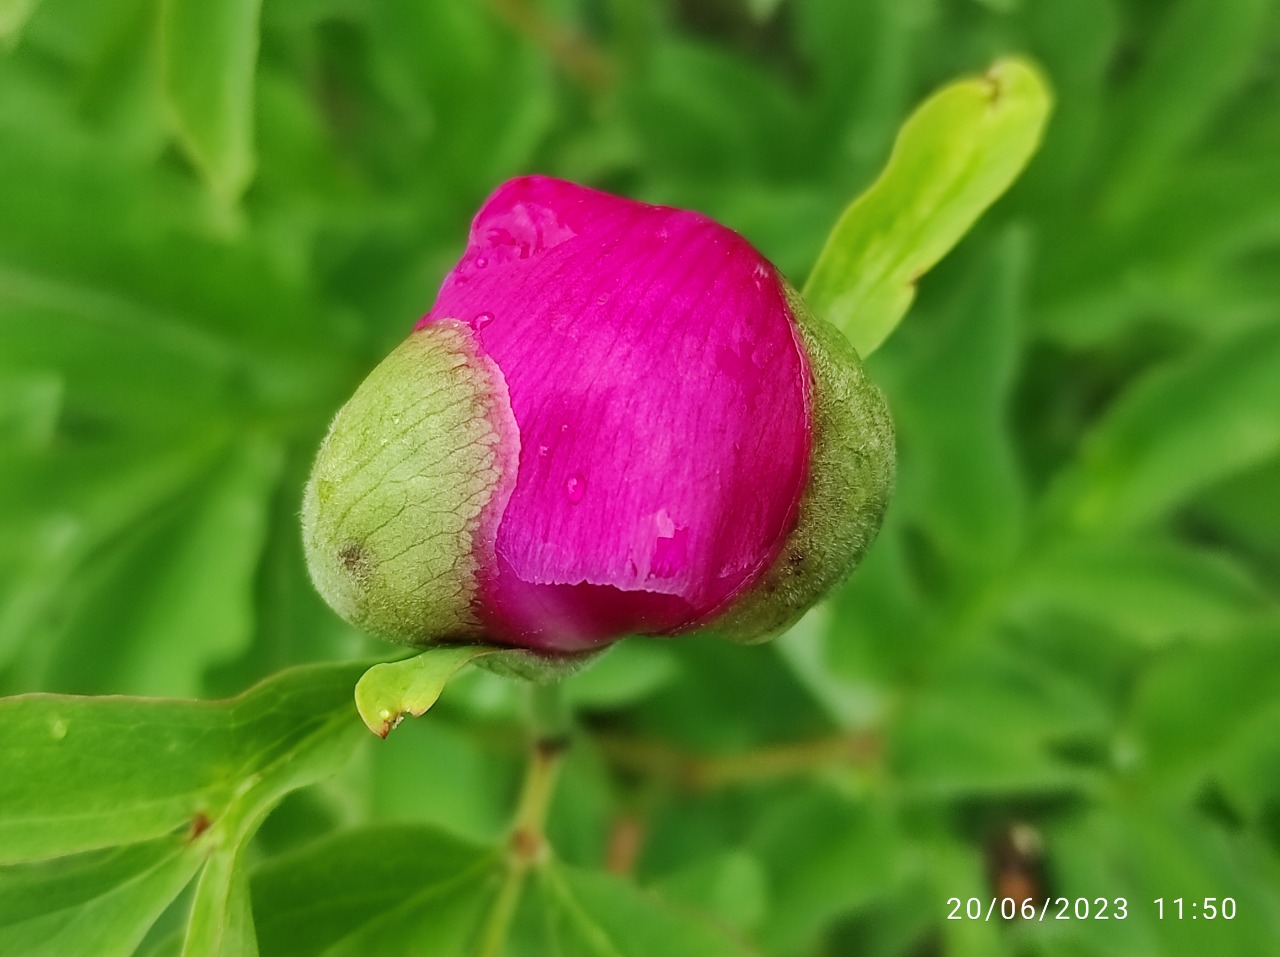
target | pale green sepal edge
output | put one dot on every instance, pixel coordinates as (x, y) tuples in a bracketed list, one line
[(954, 157), (387, 692)]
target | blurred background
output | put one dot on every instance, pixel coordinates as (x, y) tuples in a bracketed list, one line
[(1059, 668)]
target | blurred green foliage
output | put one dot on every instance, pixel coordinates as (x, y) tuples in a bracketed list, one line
[(215, 219)]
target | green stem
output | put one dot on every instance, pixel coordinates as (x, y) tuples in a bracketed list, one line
[(703, 772), (550, 718), (527, 846)]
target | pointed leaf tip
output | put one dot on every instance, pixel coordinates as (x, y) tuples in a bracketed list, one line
[(209, 56), (389, 691), (954, 157)]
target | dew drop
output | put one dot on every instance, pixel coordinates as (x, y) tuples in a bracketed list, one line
[(481, 262), (543, 450), (602, 299), (482, 320), (575, 488), (59, 729)]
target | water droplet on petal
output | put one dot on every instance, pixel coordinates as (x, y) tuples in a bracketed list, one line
[(481, 262), (482, 320), (575, 488), (602, 299)]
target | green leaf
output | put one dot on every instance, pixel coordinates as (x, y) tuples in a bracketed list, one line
[(440, 773), (704, 111), (599, 915), (824, 854), (101, 902), (14, 15), (1198, 701), (1149, 590), (209, 56), (99, 772), (1144, 850), (204, 590), (991, 722), (71, 504), (755, 698), (29, 408), (141, 794), (1202, 51), (1246, 510), (375, 885), (389, 691), (863, 646), (1171, 262), (1185, 426), (389, 889), (863, 81), (804, 650), (953, 158), (732, 886), (452, 65), (628, 672), (954, 413), (956, 869)]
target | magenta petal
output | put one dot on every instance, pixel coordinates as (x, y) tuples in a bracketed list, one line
[(661, 398)]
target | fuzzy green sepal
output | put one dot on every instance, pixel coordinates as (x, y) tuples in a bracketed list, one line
[(851, 471)]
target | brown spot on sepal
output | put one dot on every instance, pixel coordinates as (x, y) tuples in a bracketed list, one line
[(354, 560)]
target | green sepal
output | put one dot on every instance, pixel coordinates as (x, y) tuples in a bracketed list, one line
[(392, 514), (539, 667), (387, 692), (851, 469)]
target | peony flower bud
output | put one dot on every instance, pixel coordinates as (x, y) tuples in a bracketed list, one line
[(617, 418)]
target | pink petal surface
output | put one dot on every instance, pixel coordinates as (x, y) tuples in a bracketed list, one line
[(661, 397)]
